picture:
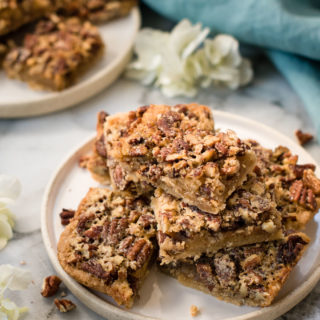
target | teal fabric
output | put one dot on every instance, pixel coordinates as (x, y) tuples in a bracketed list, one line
[(292, 26)]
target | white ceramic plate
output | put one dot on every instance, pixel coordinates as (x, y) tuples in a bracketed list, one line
[(163, 297), (19, 100)]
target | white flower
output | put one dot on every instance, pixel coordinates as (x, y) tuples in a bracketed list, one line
[(9, 190), (181, 61), (14, 279)]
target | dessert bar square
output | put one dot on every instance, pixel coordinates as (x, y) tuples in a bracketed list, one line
[(55, 54), (99, 11), (177, 149), (251, 275), (185, 231), (295, 187), (15, 13), (109, 244)]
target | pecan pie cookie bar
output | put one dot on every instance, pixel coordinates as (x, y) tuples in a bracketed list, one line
[(185, 231), (176, 149), (56, 53), (99, 11), (295, 186), (15, 13), (251, 275), (109, 244)]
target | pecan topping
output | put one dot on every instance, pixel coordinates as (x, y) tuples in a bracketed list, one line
[(119, 178), (205, 273), (302, 195), (289, 250), (139, 252), (225, 269), (96, 269), (299, 169), (50, 286), (311, 181), (100, 147), (303, 137), (66, 215), (82, 223), (64, 305), (94, 232), (115, 230), (126, 244), (102, 117), (167, 121)]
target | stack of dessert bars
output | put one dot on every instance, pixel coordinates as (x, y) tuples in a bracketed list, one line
[(228, 212)]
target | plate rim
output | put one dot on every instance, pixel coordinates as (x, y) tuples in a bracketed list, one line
[(79, 92), (115, 313)]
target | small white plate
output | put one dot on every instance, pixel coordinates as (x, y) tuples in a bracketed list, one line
[(163, 297), (19, 100)]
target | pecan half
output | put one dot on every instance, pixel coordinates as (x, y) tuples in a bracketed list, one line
[(96, 269), (64, 305), (289, 250), (115, 230), (66, 215), (139, 252), (50, 286), (311, 181), (303, 137), (301, 194)]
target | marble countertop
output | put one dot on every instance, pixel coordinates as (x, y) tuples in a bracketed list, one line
[(32, 148)]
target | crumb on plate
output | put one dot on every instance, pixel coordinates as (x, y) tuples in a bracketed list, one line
[(194, 311)]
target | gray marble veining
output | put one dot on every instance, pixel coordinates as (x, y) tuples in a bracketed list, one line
[(31, 149)]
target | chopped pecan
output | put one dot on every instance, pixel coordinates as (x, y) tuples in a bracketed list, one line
[(299, 169), (230, 166), (64, 305), (225, 269), (146, 221), (100, 147), (66, 215), (138, 151), (311, 181), (204, 271), (82, 223), (139, 252), (303, 137), (96, 269), (126, 244), (289, 250), (94, 232), (118, 175), (50, 286), (167, 121), (251, 262), (102, 115), (115, 230), (142, 110)]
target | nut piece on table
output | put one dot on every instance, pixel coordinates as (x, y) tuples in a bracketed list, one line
[(303, 137), (194, 311), (64, 305), (50, 286), (66, 215)]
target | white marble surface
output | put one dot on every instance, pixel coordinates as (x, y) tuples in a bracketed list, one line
[(31, 149)]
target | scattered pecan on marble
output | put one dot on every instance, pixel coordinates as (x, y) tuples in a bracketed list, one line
[(50, 286), (64, 305), (303, 137)]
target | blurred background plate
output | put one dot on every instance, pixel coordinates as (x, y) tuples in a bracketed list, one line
[(162, 297), (17, 99)]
